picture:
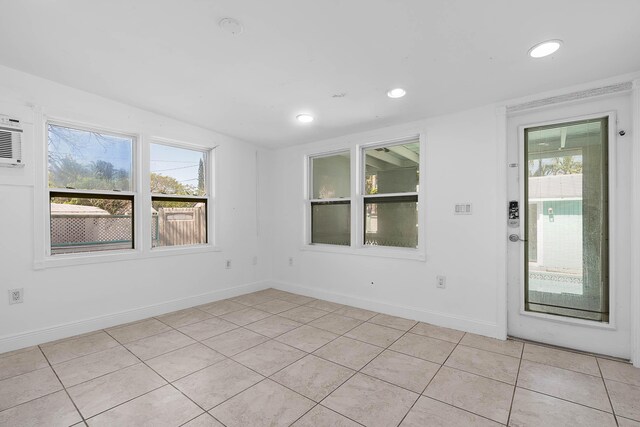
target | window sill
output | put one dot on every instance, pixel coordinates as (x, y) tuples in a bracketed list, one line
[(67, 260), (371, 251)]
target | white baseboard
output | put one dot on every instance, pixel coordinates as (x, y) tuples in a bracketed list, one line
[(65, 330), (440, 319)]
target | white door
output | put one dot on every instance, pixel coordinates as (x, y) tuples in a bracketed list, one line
[(568, 264)]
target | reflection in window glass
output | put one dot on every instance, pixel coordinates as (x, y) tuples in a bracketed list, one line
[(390, 218), (88, 160), (331, 179), (331, 176), (177, 171), (391, 221), (331, 223), (392, 169)]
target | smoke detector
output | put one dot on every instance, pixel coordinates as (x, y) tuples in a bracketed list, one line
[(231, 26)]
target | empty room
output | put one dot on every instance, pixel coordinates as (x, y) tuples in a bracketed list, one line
[(314, 214)]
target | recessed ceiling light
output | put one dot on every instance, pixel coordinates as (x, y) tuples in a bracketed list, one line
[(304, 118), (545, 48), (231, 26), (396, 93)]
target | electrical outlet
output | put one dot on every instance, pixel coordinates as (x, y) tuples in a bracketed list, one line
[(441, 282), (16, 296), (290, 261), (255, 260), (227, 264)]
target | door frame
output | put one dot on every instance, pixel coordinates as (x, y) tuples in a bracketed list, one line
[(502, 115)]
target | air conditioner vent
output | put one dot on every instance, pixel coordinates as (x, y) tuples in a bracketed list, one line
[(6, 145), (10, 142)]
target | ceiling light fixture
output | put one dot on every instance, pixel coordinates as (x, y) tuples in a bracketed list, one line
[(545, 48), (396, 93), (231, 26), (304, 118)]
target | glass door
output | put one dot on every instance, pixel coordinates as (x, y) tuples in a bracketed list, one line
[(566, 262)]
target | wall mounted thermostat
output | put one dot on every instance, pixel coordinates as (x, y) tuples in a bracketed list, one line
[(514, 214)]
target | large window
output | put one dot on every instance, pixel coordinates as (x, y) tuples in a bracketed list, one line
[(390, 182), (179, 196), (91, 197), (385, 208), (330, 199)]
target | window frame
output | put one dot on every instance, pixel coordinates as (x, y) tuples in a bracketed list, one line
[(356, 149), (208, 197), (310, 201), (131, 194), (140, 191), (388, 196)]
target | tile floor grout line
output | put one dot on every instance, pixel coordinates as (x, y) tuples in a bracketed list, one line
[(126, 401), (515, 386), (63, 387), (489, 351), (135, 397), (186, 324), (88, 354), (170, 351), (450, 367), (307, 354), (169, 382), (606, 389), (565, 400), (359, 371), (428, 383), (387, 348), (26, 372), (559, 367), (71, 338), (137, 339)]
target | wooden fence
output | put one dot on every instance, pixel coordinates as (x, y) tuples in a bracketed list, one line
[(180, 226)]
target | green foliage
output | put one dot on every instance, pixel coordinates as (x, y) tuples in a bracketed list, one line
[(566, 165), (163, 184), (66, 172), (201, 177)]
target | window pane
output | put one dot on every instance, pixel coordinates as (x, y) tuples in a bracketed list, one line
[(90, 224), (567, 226), (178, 171), (391, 221), (331, 176), (178, 222), (88, 160), (331, 223), (392, 169)]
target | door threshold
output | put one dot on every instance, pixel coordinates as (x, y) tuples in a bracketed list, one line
[(571, 350)]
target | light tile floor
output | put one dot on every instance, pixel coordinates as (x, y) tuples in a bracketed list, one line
[(272, 358)]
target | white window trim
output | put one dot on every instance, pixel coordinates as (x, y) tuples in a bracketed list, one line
[(142, 200), (210, 170), (357, 246), (309, 193)]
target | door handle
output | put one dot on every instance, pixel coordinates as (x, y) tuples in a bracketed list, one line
[(516, 238)]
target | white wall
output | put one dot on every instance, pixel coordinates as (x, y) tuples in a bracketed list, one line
[(461, 160), (261, 212), (62, 301)]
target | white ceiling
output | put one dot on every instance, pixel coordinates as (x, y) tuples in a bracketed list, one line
[(170, 56)]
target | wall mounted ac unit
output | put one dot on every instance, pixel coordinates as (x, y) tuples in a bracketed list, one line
[(10, 142)]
